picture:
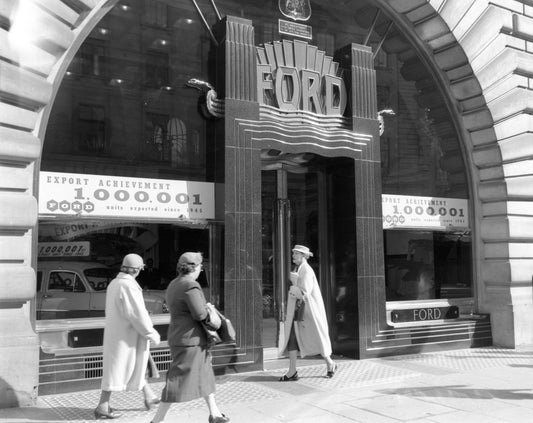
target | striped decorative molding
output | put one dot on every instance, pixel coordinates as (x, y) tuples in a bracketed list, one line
[(240, 59)]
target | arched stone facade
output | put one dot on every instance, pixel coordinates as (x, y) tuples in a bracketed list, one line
[(480, 53)]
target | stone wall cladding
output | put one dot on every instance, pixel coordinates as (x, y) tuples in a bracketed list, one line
[(495, 37), (37, 40)]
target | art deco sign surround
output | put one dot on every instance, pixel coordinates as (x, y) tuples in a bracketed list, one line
[(296, 76)]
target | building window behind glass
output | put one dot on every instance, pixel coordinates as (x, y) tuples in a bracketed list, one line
[(423, 265), (92, 58), (92, 128), (157, 69), (155, 13)]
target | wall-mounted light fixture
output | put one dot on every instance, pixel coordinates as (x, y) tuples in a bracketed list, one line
[(116, 82)]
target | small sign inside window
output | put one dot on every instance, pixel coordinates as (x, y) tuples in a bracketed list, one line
[(295, 29)]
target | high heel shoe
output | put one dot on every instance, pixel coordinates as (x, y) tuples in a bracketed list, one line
[(149, 404), (221, 419), (331, 372), (286, 378), (109, 414)]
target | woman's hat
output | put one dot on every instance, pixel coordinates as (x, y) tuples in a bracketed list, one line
[(190, 258), (302, 249), (134, 261)]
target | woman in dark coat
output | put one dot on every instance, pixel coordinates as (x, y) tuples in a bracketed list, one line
[(190, 375)]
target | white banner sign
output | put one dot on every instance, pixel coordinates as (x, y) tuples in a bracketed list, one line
[(64, 249), (405, 211), (102, 195)]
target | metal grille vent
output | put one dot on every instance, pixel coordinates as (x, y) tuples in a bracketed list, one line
[(93, 367)]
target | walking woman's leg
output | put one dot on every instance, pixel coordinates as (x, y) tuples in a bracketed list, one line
[(293, 354), (215, 416), (292, 347), (331, 366), (147, 392), (103, 410), (150, 400), (212, 405), (162, 411), (105, 396)]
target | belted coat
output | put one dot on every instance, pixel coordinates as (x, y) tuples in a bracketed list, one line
[(312, 332)]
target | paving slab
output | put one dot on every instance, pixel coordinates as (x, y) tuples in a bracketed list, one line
[(483, 384)]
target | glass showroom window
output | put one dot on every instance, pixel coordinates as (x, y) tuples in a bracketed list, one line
[(126, 166), (427, 235)]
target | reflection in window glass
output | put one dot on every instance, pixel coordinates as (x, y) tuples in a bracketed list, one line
[(62, 281), (427, 265), (99, 277), (78, 259), (124, 107)]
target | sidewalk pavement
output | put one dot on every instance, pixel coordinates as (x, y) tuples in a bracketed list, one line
[(489, 385)]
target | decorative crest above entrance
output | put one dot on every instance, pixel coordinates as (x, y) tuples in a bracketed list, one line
[(298, 10)]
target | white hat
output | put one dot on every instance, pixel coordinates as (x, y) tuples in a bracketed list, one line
[(134, 261), (302, 249)]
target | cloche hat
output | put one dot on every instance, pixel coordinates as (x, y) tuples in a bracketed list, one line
[(302, 249), (134, 261)]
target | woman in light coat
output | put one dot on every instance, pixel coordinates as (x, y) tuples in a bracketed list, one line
[(127, 335), (310, 336)]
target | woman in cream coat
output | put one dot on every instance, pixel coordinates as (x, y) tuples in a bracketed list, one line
[(311, 335), (127, 335)]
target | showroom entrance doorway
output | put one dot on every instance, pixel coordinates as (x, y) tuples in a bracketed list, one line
[(310, 200)]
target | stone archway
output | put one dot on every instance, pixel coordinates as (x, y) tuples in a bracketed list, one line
[(477, 51), (37, 42)]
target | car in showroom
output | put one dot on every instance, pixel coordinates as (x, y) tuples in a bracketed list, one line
[(72, 289)]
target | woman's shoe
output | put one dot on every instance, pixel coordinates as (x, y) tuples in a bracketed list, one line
[(149, 404), (331, 372), (221, 419), (109, 414), (286, 378)]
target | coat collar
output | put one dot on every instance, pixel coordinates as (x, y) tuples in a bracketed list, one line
[(129, 278), (302, 265), (188, 277)]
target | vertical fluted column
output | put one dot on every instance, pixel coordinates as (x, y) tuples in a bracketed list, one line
[(361, 81), (242, 256)]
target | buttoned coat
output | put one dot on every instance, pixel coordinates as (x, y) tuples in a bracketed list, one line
[(128, 331), (312, 332), (187, 306)]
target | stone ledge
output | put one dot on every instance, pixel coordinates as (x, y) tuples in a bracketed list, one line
[(18, 146), (18, 211), (503, 208), (507, 228)]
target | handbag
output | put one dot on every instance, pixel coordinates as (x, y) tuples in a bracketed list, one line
[(226, 331), (299, 311), (218, 328), (211, 336), (212, 321)]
